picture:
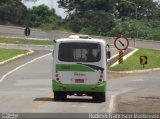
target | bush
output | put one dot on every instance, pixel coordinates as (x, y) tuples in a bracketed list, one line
[(75, 27), (130, 27)]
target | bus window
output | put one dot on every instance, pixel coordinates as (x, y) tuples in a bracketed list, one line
[(79, 52)]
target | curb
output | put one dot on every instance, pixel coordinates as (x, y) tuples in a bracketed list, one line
[(136, 71), (113, 106), (126, 56), (16, 57)]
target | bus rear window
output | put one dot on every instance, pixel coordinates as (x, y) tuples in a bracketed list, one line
[(79, 52)]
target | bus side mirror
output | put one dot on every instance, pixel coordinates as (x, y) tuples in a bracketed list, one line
[(108, 54)]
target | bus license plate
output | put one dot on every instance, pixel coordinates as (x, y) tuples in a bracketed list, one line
[(79, 80)]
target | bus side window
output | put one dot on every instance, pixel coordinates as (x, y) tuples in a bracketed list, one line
[(70, 54)]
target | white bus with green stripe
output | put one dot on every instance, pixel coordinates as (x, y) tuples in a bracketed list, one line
[(80, 67)]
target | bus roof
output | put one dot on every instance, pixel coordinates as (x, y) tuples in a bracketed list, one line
[(85, 39)]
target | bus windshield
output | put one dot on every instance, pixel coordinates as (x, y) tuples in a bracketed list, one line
[(79, 52)]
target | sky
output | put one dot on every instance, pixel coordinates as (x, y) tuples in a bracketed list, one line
[(50, 4)]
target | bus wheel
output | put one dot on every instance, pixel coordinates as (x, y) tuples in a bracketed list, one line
[(99, 97), (59, 96)]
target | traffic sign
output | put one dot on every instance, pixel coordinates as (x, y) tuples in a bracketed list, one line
[(143, 60), (27, 31), (121, 43)]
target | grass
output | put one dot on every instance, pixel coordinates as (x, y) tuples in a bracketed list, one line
[(6, 54), (133, 62), (26, 41)]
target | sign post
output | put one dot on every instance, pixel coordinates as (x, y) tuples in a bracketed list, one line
[(120, 59), (121, 43)]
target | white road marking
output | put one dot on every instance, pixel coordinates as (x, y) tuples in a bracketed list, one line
[(10, 72), (137, 80), (112, 102)]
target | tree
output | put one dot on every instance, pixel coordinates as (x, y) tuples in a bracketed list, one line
[(42, 15), (13, 11), (97, 22), (80, 6), (91, 16), (146, 8)]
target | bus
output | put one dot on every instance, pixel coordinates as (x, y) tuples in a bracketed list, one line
[(80, 67)]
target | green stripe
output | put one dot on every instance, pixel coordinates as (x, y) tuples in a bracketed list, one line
[(79, 87), (73, 67)]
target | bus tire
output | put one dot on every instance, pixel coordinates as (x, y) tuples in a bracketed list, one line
[(59, 96), (99, 97)]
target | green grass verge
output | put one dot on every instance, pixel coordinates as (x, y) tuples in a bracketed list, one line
[(6, 54), (25, 41), (133, 62)]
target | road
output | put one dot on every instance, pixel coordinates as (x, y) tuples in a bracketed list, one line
[(19, 32), (35, 33), (28, 89)]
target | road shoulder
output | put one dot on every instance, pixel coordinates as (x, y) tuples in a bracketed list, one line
[(16, 57), (4, 68), (139, 101)]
